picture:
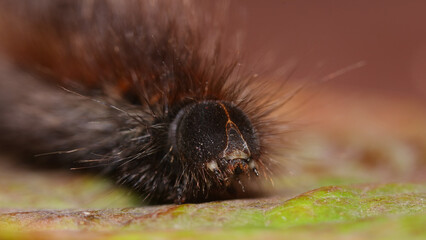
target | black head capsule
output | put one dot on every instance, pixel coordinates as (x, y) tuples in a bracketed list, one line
[(216, 134)]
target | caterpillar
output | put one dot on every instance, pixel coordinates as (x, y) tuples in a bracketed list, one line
[(141, 91)]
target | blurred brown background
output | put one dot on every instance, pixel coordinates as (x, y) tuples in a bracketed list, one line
[(323, 36)]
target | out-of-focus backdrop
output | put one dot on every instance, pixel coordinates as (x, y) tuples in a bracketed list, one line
[(389, 35)]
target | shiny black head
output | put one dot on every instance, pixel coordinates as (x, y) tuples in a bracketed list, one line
[(217, 135)]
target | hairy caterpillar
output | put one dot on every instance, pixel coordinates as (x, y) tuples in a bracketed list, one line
[(148, 96)]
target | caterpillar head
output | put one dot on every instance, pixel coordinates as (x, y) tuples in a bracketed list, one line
[(216, 135)]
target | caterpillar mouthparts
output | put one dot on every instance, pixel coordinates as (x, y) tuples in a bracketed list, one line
[(147, 98), (216, 134)]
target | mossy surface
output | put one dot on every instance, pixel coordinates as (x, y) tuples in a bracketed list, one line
[(379, 211)]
